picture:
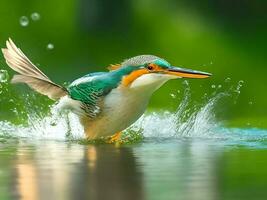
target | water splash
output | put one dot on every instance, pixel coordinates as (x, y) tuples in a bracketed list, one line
[(197, 120), (51, 127), (191, 119)]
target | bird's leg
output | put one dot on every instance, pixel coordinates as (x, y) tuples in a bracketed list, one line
[(68, 134), (115, 138)]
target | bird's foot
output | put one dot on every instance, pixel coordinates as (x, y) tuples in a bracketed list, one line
[(114, 138)]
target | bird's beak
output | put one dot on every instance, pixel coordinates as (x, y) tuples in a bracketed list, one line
[(186, 73)]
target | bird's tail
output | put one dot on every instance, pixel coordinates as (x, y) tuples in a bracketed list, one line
[(29, 73)]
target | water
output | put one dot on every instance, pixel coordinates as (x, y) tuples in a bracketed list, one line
[(186, 154), (24, 21), (50, 46), (3, 76), (182, 168), (35, 16)]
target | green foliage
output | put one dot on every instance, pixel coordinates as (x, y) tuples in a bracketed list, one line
[(208, 36)]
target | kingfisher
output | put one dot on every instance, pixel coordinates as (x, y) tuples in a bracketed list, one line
[(105, 102)]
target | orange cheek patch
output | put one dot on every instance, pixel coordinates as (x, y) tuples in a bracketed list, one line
[(127, 80)]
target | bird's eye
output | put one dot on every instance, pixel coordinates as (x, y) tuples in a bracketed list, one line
[(150, 67)]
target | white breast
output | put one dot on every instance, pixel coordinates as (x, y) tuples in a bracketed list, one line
[(123, 106)]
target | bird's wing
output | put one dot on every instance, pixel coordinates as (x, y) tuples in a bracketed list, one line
[(29, 73), (90, 91)]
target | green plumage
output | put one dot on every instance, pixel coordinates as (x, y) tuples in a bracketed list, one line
[(91, 88)]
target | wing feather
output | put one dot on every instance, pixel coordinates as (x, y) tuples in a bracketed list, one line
[(91, 93), (29, 73), (44, 87)]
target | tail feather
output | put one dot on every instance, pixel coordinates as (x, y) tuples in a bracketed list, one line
[(29, 73)]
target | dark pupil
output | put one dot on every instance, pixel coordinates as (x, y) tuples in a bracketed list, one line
[(149, 67)]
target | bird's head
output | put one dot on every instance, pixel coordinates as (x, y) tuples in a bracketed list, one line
[(149, 70)]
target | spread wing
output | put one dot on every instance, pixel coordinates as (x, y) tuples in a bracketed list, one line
[(90, 90)]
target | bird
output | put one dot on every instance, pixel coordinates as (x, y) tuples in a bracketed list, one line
[(106, 103)]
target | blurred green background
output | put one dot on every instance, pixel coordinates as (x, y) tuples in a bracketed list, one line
[(224, 37)]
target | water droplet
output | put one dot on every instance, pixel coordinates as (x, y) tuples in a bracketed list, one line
[(14, 110), (241, 82), (178, 91), (219, 86), (211, 62), (50, 46), (3, 76), (250, 103), (24, 21), (35, 16), (173, 95), (239, 85), (213, 86), (227, 80), (53, 123), (185, 82)]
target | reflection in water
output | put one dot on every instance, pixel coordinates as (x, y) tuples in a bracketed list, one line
[(59, 171), (202, 182), (166, 169), (27, 185), (108, 173), (183, 170)]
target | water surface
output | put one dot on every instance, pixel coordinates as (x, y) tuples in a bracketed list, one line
[(157, 168), (186, 154)]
